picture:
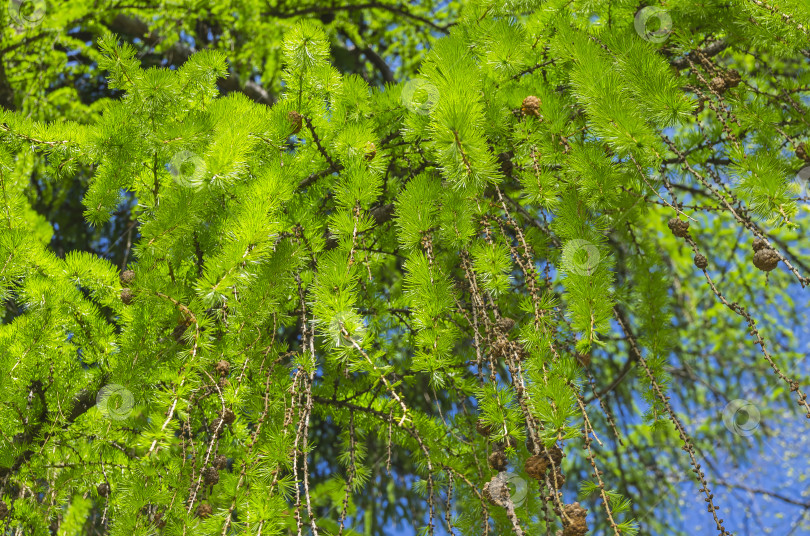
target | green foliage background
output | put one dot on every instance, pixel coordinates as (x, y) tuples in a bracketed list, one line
[(343, 202)]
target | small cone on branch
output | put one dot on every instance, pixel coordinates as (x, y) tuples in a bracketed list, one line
[(801, 152), (211, 476), (179, 330), (220, 462), (678, 227), (296, 120), (505, 162), (217, 424), (536, 467), (701, 261), (574, 520), (483, 429), (732, 78), (126, 296), (497, 460), (103, 489), (228, 416), (505, 324), (500, 346), (127, 277), (718, 84), (556, 455), (222, 367), (531, 106), (370, 151), (158, 520), (506, 443), (204, 510), (766, 259)]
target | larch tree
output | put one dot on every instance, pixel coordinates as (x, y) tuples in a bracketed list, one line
[(468, 267)]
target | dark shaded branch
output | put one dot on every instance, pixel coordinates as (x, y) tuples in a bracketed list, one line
[(318, 10), (711, 50), (6, 91), (179, 54)]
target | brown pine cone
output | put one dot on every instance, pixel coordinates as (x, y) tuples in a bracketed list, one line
[(701, 261), (678, 227), (222, 367), (536, 467), (508, 442), (584, 359), (103, 489), (483, 429), (531, 106), (371, 151), (801, 152), (296, 120), (179, 330), (497, 460), (732, 78), (220, 462), (556, 454), (505, 324), (228, 416), (766, 259), (574, 520), (158, 520), (126, 296), (217, 424), (500, 346), (211, 476), (759, 244), (127, 277), (204, 510), (505, 162), (718, 84)]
